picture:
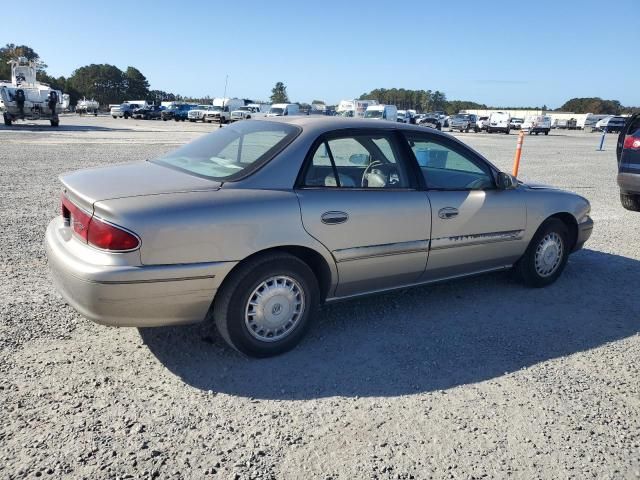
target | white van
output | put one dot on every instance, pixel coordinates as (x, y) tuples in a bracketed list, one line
[(382, 112), (282, 109), (499, 122), (537, 124)]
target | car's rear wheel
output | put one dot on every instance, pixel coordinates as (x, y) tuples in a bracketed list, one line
[(7, 120), (630, 202), (546, 256), (265, 306)]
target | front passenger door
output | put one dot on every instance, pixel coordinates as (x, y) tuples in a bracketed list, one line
[(475, 226)]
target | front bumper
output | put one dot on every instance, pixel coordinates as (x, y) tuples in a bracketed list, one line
[(584, 232), (130, 296)]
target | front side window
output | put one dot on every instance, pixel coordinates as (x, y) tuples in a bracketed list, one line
[(449, 167), (360, 161), (231, 152)]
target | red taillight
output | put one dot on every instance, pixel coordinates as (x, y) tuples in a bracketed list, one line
[(631, 142), (109, 237), (76, 218), (96, 232)]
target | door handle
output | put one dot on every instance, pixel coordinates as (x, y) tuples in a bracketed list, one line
[(448, 212), (334, 218)]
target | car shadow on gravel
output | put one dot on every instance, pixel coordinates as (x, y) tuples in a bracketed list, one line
[(422, 339)]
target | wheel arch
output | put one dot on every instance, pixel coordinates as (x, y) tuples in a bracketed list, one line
[(572, 226), (319, 265)]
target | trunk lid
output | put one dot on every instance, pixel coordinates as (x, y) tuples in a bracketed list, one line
[(85, 187)]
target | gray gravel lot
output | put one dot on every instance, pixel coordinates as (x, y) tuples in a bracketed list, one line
[(480, 378)]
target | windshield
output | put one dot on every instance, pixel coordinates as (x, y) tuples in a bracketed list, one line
[(277, 111), (460, 117), (373, 114), (246, 109), (233, 151)]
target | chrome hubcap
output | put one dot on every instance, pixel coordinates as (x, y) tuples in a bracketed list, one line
[(549, 254), (274, 308)]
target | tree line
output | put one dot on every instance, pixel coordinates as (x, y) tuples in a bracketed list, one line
[(108, 84)]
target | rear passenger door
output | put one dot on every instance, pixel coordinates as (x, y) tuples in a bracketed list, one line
[(475, 226), (358, 197)]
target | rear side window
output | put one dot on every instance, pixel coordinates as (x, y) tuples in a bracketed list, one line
[(231, 152)]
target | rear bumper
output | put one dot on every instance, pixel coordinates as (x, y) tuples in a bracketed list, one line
[(134, 296), (584, 232), (629, 182)]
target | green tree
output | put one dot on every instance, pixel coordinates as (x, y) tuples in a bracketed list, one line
[(12, 51), (279, 93), (592, 105), (137, 85), (102, 82)]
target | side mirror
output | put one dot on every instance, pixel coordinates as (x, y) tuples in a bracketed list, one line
[(506, 181)]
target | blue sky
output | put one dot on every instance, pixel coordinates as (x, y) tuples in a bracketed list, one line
[(495, 52)]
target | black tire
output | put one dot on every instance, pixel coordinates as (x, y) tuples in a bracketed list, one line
[(232, 299), (630, 202), (114, 116), (525, 268), (192, 120), (546, 132), (7, 120), (507, 132), (54, 123)]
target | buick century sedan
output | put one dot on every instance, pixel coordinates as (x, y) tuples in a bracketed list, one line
[(257, 224)]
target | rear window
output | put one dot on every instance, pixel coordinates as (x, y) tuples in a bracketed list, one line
[(232, 152)]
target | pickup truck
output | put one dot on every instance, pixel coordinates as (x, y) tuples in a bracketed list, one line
[(149, 112), (246, 112), (124, 111), (198, 113), (177, 112)]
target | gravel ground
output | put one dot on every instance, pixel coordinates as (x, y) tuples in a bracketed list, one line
[(480, 378)]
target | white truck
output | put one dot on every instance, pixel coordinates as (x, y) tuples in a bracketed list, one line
[(382, 112), (354, 108), (537, 124), (252, 110), (24, 98), (221, 111), (125, 110), (85, 106), (283, 109), (198, 113), (499, 122)]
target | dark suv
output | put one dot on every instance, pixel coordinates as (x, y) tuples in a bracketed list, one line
[(177, 112), (628, 152)]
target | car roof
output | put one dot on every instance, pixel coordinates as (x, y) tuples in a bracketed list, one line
[(324, 123)]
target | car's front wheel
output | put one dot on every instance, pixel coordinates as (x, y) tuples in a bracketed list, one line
[(546, 255), (265, 306)]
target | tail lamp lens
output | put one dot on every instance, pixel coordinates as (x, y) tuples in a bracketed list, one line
[(632, 142), (96, 232)]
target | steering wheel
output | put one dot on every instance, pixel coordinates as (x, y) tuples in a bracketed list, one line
[(367, 170), (387, 172)]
